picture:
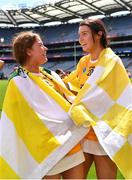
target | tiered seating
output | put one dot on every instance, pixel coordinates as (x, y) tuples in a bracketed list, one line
[(61, 36)]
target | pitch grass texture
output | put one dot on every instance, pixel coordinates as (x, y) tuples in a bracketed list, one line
[(92, 174), (3, 85)]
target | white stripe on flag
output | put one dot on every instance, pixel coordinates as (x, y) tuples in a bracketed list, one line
[(114, 142), (126, 97), (53, 116), (14, 150), (103, 129), (98, 95), (96, 75), (109, 139)]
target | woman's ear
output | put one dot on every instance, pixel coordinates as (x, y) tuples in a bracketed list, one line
[(28, 52), (100, 33)]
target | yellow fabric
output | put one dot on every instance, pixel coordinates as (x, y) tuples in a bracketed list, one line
[(112, 86), (34, 136), (77, 79), (80, 116), (61, 87), (5, 170), (116, 90), (126, 167), (79, 76), (58, 98), (112, 118), (72, 81), (30, 122)]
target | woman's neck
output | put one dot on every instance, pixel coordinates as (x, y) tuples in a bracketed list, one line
[(32, 68), (95, 53)]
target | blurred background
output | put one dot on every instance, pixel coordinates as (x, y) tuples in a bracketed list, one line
[(57, 23)]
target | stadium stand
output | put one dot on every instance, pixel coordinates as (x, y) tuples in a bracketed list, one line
[(64, 50)]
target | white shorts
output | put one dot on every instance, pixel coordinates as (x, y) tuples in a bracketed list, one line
[(92, 147), (67, 162)]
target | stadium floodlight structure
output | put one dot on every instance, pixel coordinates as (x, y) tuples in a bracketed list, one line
[(61, 11)]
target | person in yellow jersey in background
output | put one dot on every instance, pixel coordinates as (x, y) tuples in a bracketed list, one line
[(93, 40), (1, 67), (1, 64)]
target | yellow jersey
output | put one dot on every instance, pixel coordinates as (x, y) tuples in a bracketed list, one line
[(78, 77)]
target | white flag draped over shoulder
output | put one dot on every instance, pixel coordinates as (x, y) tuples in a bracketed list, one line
[(105, 102), (35, 129)]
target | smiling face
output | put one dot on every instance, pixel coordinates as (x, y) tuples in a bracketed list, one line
[(89, 41), (85, 38), (37, 54), (29, 50)]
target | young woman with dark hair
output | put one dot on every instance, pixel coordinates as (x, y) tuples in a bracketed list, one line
[(93, 40)]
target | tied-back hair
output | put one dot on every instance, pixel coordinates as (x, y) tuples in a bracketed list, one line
[(96, 26)]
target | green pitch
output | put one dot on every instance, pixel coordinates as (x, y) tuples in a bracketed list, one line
[(92, 174), (3, 85)]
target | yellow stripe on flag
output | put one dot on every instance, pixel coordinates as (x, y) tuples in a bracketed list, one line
[(125, 162), (4, 167), (117, 74), (114, 115), (81, 116), (57, 83), (82, 93), (51, 92), (36, 136)]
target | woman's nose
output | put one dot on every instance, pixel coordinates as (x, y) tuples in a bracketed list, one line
[(45, 48), (80, 39)]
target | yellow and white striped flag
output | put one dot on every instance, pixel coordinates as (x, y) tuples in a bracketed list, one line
[(35, 128), (105, 102)]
